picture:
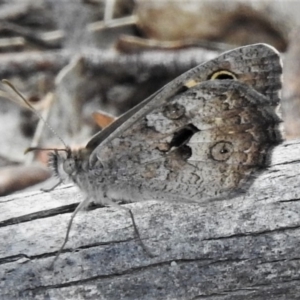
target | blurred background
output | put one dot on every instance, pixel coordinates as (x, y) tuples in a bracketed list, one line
[(82, 63)]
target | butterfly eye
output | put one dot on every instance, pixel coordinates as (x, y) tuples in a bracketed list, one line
[(69, 166), (221, 75)]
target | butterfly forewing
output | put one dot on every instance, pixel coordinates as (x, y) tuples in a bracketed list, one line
[(257, 65)]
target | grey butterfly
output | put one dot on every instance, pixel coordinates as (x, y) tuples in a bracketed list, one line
[(201, 137)]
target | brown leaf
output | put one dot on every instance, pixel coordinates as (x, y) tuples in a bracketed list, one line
[(16, 178), (103, 119)]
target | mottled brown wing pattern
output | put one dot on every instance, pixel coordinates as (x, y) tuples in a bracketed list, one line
[(256, 65), (203, 143)]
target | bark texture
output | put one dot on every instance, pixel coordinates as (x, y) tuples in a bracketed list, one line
[(243, 248)]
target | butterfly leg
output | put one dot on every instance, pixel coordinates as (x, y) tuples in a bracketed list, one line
[(136, 231), (52, 188), (78, 208)]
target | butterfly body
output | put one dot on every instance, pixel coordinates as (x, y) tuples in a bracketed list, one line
[(201, 137)]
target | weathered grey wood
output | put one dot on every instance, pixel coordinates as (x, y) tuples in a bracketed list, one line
[(244, 248)]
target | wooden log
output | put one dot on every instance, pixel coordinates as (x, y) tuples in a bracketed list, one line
[(243, 248)]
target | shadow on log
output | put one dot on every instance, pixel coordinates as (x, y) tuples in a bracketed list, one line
[(243, 248)]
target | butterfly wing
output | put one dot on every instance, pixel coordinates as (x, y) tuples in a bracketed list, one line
[(257, 65), (204, 143)]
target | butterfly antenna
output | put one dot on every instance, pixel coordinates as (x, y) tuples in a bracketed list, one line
[(5, 81)]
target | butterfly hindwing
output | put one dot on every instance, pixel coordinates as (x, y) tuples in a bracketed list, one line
[(203, 143)]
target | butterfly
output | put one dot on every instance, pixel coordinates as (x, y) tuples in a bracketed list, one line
[(202, 137)]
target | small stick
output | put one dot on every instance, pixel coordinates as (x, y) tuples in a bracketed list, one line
[(40, 127)]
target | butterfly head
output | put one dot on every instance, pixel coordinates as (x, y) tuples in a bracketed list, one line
[(66, 163)]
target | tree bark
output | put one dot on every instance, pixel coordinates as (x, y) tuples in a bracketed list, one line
[(243, 248)]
